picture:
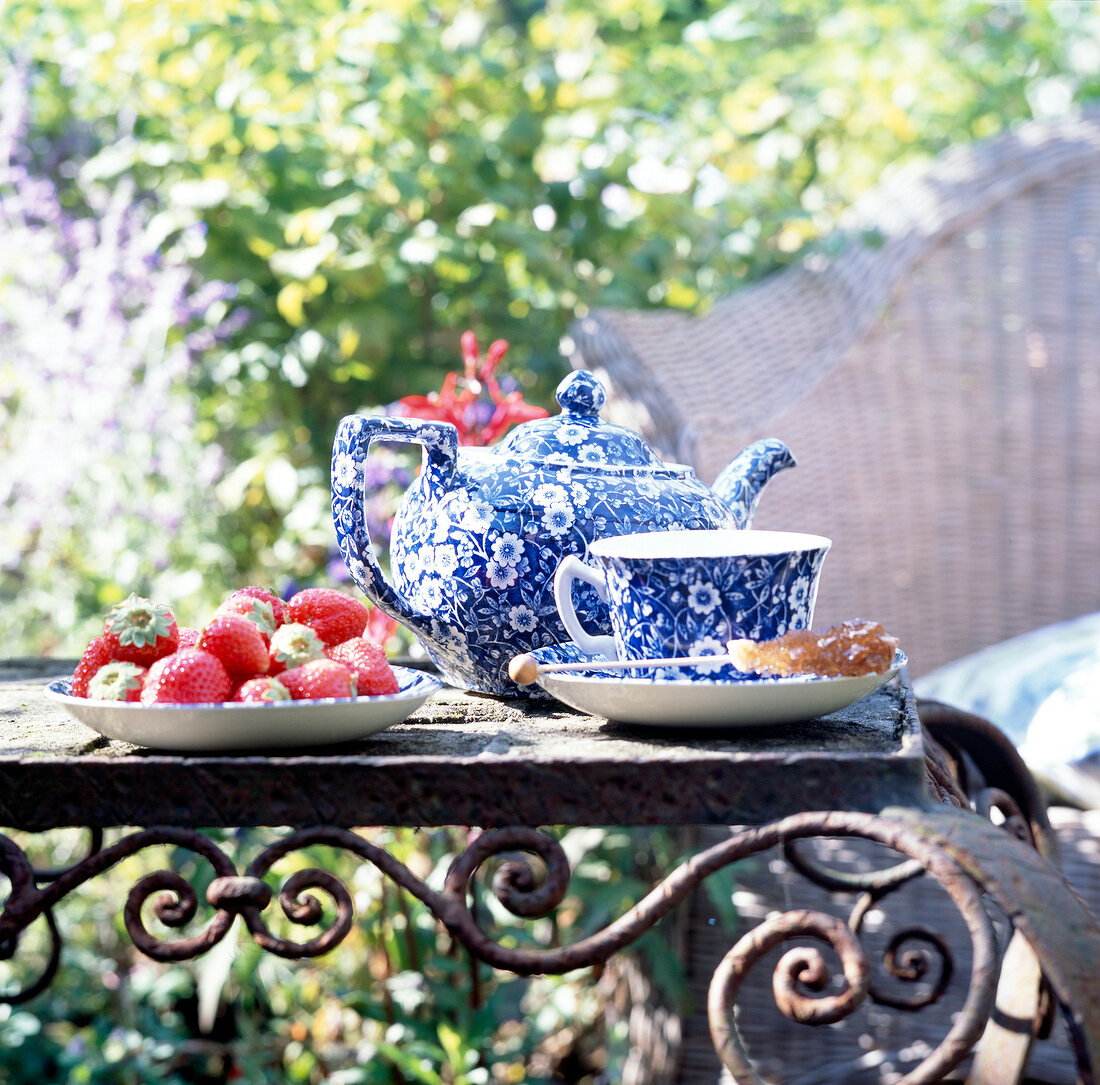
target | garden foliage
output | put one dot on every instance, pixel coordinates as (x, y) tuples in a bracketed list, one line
[(397, 1003), (373, 179), (224, 224)]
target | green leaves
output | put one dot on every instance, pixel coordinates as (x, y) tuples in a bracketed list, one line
[(375, 181)]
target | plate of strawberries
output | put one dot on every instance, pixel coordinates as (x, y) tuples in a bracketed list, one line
[(262, 673)]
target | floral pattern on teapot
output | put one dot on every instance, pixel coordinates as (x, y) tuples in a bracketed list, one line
[(478, 537)]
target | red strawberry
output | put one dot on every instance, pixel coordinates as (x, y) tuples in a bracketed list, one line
[(263, 595), (141, 631), (334, 615), (98, 654), (319, 678), (257, 611), (189, 637), (263, 690), (118, 681), (238, 643), (292, 645), (368, 662), (189, 676)]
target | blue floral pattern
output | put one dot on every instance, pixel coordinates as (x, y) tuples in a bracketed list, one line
[(479, 534), (693, 606), (570, 652)]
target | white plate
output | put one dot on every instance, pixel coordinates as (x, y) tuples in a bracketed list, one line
[(671, 703), (220, 727)]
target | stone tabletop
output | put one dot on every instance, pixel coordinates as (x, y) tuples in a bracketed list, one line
[(461, 759)]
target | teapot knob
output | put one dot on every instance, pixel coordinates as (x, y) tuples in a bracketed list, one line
[(581, 393)]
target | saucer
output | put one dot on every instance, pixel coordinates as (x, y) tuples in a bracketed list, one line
[(697, 702), (211, 728)]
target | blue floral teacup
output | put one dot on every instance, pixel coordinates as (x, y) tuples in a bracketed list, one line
[(687, 593)]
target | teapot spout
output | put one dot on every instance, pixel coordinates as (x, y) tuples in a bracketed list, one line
[(740, 482)]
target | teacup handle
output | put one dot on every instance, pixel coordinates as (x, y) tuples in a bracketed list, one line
[(569, 569)]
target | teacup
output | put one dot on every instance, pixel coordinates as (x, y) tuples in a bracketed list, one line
[(687, 593)]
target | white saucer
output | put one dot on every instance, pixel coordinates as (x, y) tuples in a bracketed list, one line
[(671, 703), (214, 728)]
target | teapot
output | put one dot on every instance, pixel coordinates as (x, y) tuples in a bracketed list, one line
[(479, 534)]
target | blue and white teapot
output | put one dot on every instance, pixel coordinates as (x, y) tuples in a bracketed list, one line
[(479, 534)]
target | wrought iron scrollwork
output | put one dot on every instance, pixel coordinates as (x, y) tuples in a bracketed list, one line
[(913, 954), (530, 879), (995, 803)]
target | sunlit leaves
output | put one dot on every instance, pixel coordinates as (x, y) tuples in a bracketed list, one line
[(386, 175)]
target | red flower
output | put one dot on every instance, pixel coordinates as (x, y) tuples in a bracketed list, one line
[(380, 626), (462, 400)]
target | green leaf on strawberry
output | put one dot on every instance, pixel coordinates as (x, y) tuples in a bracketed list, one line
[(117, 681), (292, 645), (141, 631)]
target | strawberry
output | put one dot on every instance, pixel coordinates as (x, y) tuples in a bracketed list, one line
[(141, 631), (189, 676), (291, 646), (238, 643), (317, 679), (117, 681), (263, 690), (368, 662), (333, 615), (258, 611), (98, 654), (263, 595), (189, 637)]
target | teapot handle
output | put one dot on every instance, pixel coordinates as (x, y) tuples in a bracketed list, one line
[(349, 492)]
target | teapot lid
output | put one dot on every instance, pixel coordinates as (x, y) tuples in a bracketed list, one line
[(578, 436)]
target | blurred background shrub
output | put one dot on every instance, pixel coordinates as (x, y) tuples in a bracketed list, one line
[(369, 180)]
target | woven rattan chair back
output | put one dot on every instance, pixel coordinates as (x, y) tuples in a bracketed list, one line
[(938, 382)]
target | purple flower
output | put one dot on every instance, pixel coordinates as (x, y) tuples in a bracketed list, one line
[(101, 323)]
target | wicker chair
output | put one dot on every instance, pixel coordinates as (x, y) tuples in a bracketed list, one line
[(939, 384), (940, 389)]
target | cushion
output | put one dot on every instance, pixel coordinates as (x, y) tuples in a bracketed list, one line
[(1043, 690)]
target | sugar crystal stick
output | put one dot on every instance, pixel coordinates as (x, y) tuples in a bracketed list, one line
[(851, 648)]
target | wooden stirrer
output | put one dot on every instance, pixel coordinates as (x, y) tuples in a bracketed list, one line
[(525, 669)]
